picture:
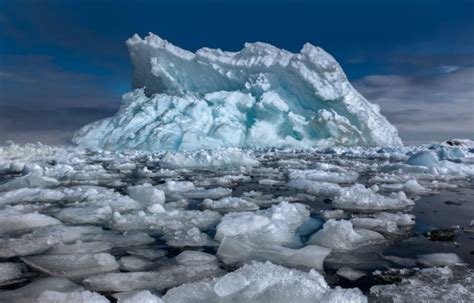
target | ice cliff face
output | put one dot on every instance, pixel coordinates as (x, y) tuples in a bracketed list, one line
[(260, 96)]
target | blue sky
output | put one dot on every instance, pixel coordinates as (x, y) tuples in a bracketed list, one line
[(64, 63)]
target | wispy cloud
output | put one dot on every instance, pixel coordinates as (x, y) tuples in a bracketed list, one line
[(425, 107), (40, 101)]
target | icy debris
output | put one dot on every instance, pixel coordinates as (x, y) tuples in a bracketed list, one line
[(358, 197), (424, 158), (188, 237), (410, 187), (275, 225), (315, 187), (9, 271), (207, 159), (30, 195), (146, 194), (13, 221), (211, 193), (340, 235), (84, 296), (150, 253), (134, 263), (85, 215), (439, 259), (192, 257), (74, 266), (350, 274), (80, 247), (31, 292), (235, 250), (263, 282), (324, 176), (333, 214), (26, 245), (385, 222), (168, 221), (163, 278), (144, 296), (32, 179), (229, 204), (444, 284)]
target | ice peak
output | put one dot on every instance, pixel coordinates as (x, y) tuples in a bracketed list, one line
[(260, 96)]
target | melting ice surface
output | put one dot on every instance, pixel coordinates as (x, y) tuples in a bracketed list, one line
[(229, 225), (260, 96)]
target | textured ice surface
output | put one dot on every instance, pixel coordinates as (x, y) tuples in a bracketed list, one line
[(237, 250), (442, 284), (84, 296), (271, 207), (264, 282), (144, 296), (276, 225), (31, 292), (261, 96), (358, 197), (340, 235), (439, 259), (73, 266)]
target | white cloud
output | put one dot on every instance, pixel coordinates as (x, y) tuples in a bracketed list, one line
[(428, 107)]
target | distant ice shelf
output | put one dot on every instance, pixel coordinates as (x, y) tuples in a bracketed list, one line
[(258, 97)]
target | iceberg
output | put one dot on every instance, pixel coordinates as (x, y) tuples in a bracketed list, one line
[(260, 97)]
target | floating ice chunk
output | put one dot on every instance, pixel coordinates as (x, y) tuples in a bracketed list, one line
[(167, 221), (192, 257), (221, 158), (144, 296), (97, 195), (27, 245), (9, 271), (156, 208), (229, 204), (12, 221), (385, 222), (211, 193), (315, 187), (134, 263), (30, 195), (151, 253), (32, 179), (163, 278), (235, 250), (357, 197), (411, 187), (439, 259), (79, 247), (275, 225), (84, 296), (445, 284), (333, 214), (146, 194), (263, 282), (73, 266), (340, 235), (31, 292), (85, 215), (324, 176), (188, 237), (178, 186), (350, 274), (424, 158)]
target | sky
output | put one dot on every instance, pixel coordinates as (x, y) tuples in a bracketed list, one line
[(64, 64)]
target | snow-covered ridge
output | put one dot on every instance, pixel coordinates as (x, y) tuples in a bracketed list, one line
[(260, 96)]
